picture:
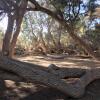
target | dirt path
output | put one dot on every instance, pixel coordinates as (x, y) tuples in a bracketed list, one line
[(68, 62), (29, 91)]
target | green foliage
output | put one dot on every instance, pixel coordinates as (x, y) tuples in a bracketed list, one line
[(61, 4), (1, 34), (1, 37), (35, 25), (92, 5)]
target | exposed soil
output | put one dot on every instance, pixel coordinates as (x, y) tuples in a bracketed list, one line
[(10, 90)]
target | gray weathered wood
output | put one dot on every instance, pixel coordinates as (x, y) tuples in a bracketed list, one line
[(33, 74), (54, 78)]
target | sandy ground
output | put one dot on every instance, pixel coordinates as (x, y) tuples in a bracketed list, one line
[(30, 91), (68, 62)]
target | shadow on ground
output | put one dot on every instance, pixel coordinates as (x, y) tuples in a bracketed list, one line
[(38, 92)]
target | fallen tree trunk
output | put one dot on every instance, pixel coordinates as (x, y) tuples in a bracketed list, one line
[(16, 70), (57, 56), (65, 73)]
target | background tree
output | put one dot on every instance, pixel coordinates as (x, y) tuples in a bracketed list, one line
[(1, 38), (15, 12), (66, 12)]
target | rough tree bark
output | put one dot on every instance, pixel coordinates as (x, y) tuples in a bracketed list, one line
[(19, 18), (11, 35), (8, 35), (53, 76)]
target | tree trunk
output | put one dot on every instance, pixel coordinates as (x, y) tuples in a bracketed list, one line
[(59, 47), (50, 36), (54, 77), (14, 39), (19, 19), (42, 44), (35, 73), (8, 35), (82, 43)]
